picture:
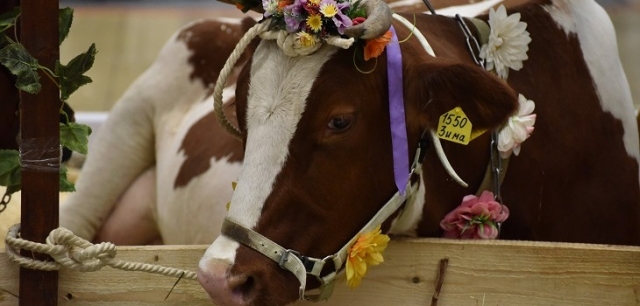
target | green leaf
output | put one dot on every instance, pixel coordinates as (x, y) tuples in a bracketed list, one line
[(8, 19), (65, 19), (75, 136), (10, 172), (65, 184), (16, 58), (71, 76)]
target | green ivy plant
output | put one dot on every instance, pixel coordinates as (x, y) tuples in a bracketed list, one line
[(68, 78)]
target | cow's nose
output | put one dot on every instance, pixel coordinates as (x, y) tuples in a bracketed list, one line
[(223, 288)]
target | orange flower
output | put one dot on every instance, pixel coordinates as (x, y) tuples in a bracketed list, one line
[(367, 250), (375, 47), (240, 6), (283, 3)]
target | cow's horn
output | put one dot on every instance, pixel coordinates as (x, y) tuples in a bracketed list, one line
[(378, 21), (445, 161)]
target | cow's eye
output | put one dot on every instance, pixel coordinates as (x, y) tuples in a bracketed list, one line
[(340, 123)]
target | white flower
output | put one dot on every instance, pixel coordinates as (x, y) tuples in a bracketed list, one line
[(270, 7), (517, 129), (508, 42)]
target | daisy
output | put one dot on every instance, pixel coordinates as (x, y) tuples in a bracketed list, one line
[(314, 22)]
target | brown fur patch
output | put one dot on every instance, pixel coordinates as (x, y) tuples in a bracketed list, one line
[(204, 141), (211, 42)]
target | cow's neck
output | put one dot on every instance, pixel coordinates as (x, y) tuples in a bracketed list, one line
[(438, 193)]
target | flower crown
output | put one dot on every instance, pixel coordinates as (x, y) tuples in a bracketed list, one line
[(313, 20), (306, 24)]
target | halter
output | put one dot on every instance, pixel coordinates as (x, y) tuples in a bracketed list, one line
[(301, 265)]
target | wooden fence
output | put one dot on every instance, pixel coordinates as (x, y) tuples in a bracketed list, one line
[(490, 273)]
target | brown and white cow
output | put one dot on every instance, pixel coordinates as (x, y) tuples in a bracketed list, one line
[(318, 156), (317, 151), (160, 167)]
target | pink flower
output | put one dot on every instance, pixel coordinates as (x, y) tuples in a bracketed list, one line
[(475, 218)]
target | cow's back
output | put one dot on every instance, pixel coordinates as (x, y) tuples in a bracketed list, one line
[(578, 172)]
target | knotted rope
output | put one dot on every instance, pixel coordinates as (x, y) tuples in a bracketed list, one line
[(74, 253)]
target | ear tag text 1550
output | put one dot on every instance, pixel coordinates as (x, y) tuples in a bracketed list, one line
[(455, 126)]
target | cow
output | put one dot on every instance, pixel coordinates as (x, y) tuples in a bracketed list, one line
[(315, 162), (152, 166), (319, 162)]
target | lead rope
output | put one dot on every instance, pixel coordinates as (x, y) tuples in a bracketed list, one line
[(74, 253), (254, 32)]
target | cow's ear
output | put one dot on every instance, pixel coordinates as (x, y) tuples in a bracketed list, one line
[(439, 88)]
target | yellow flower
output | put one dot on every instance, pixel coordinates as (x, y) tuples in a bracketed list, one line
[(306, 40), (315, 22), (233, 185), (329, 10), (367, 250), (315, 2)]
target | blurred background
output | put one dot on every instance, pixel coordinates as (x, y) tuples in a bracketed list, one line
[(129, 34)]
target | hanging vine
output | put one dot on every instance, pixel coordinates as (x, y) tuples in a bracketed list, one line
[(68, 78)]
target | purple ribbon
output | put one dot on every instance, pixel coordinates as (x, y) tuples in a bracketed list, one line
[(396, 114)]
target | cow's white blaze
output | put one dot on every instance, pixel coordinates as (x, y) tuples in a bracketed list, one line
[(277, 98), (597, 37)]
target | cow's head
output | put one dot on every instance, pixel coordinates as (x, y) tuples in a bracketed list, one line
[(318, 163)]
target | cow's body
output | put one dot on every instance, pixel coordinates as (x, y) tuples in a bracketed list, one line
[(576, 179), (164, 178)]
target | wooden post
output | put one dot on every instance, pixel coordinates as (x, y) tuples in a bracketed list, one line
[(9, 97), (40, 148)]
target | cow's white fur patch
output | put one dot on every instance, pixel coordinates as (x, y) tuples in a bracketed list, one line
[(407, 221), (222, 248), (277, 98), (597, 37), (193, 214)]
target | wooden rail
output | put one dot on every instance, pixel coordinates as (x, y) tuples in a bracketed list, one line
[(489, 273)]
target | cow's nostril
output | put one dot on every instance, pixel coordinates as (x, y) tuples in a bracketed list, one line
[(244, 286)]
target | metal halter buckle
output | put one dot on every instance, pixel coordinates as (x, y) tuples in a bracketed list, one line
[(285, 257)]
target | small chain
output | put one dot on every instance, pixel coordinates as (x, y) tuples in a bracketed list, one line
[(496, 166), (471, 42), (6, 198)]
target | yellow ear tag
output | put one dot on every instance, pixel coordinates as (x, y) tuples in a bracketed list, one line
[(454, 126), (233, 185)]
